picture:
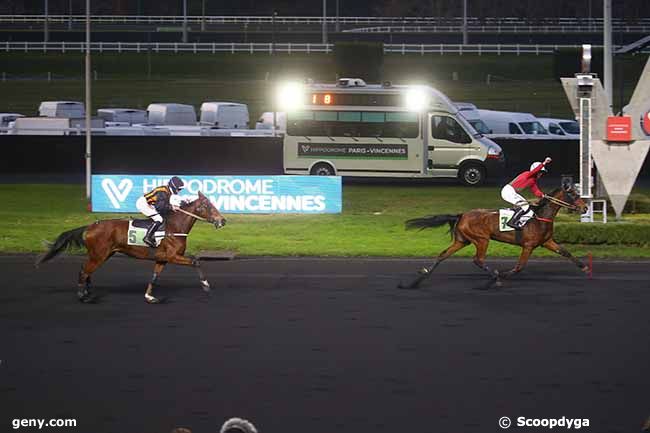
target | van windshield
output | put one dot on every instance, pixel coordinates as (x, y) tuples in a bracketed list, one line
[(533, 128), (480, 126), (571, 127)]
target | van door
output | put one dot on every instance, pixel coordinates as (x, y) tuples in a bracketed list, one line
[(449, 144)]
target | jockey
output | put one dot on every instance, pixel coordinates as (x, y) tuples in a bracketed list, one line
[(527, 179), (157, 203)]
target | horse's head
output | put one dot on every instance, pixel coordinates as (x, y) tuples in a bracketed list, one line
[(569, 194), (204, 208)]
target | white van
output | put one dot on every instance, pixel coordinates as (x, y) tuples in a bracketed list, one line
[(561, 128), (122, 116), (227, 115), (513, 125), (470, 112), (266, 121), (70, 109), (171, 114), (382, 130)]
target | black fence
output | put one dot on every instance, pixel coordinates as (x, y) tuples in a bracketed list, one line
[(25, 154)]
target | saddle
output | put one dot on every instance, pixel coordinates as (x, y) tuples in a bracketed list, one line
[(506, 215), (145, 223)]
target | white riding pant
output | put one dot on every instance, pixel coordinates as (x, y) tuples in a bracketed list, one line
[(509, 194), (147, 210)]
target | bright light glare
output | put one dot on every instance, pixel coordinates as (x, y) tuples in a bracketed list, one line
[(417, 99), (290, 96)]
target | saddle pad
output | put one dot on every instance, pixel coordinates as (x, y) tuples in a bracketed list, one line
[(504, 217), (135, 235)]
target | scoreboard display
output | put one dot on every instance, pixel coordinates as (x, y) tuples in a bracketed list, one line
[(355, 99)]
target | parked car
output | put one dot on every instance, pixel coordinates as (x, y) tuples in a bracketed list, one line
[(564, 128)]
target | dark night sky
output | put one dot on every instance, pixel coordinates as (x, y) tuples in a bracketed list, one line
[(629, 9)]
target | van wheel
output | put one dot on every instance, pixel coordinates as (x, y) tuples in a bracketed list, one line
[(471, 175), (322, 169)]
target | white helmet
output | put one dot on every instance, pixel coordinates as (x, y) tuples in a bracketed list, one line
[(534, 165)]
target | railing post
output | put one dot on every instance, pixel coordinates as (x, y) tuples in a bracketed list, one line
[(138, 47), (232, 48), (289, 48), (517, 49), (119, 47), (251, 48)]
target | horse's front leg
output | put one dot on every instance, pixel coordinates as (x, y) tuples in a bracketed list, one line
[(559, 249), (194, 262), (523, 259), (148, 294)]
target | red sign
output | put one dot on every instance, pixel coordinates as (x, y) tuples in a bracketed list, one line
[(619, 128), (645, 124)]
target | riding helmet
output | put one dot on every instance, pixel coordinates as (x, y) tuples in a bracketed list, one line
[(534, 165), (176, 185)]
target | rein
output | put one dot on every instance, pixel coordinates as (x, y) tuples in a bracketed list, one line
[(559, 202), (191, 214)]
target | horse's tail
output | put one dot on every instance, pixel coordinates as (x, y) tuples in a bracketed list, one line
[(433, 221), (63, 242)]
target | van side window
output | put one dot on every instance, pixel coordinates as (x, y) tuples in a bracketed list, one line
[(513, 128), (446, 128), (353, 124), (554, 129)]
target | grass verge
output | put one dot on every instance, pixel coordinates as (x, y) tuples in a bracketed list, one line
[(370, 225)]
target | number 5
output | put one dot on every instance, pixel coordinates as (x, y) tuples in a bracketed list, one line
[(132, 237)]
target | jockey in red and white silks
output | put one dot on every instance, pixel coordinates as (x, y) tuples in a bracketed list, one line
[(527, 179)]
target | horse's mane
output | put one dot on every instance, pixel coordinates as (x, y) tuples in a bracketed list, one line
[(186, 205)]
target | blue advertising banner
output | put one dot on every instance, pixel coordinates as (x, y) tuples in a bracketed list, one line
[(229, 194)]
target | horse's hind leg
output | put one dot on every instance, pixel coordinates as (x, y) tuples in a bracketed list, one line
[(479, 258), (425, 272), (83, 286), (148, 294)]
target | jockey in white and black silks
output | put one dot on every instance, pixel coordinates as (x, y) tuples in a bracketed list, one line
[(157, 203), (526, 179)]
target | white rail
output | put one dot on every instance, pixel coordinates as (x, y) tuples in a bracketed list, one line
[(269, 48), (475, 24)]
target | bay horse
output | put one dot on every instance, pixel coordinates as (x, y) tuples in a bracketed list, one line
[(104, 238), (479, 226)]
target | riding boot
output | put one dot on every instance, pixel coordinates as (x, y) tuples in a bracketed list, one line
[(149, 238), (514, 221)]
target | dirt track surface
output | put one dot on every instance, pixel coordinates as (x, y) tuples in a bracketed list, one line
[(314, 345)]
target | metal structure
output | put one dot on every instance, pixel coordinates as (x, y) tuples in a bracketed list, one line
[(88, 107), (618, 163)]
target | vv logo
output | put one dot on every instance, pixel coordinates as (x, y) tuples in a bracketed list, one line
[(117, 193)]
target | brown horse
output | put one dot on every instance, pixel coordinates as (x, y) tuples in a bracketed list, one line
[(479, 226), (105, 238)]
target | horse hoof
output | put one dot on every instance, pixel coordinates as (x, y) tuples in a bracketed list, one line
[(205, 285), (423, 271), (497, 284), (151, 299)]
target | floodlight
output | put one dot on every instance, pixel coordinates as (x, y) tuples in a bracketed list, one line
[(290, 96), (417, 99)]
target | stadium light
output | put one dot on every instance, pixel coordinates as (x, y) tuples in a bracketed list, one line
[(417, 99), (290, 96)]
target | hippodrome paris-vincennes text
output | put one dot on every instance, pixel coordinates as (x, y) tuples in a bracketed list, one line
[(246, 194)]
